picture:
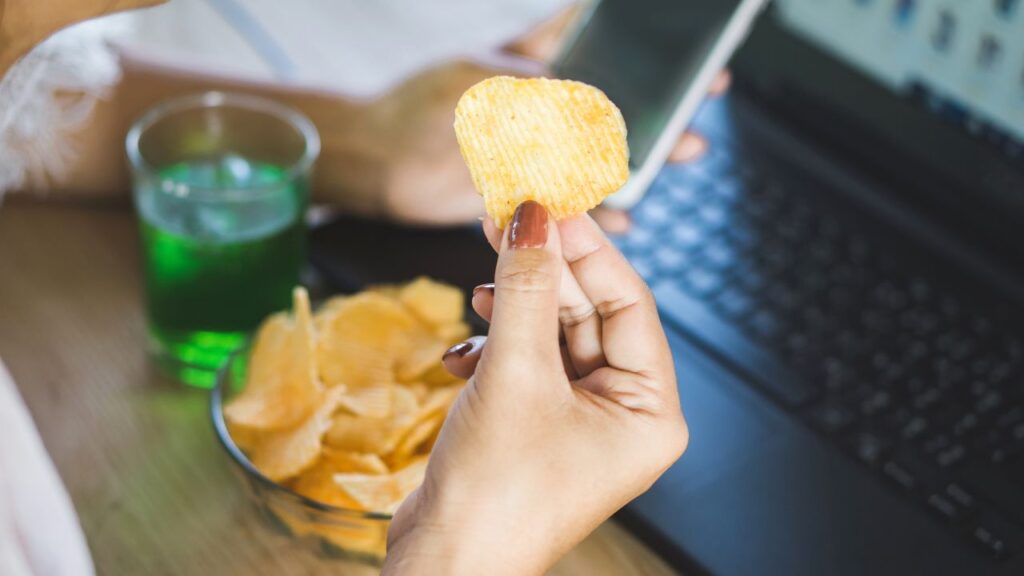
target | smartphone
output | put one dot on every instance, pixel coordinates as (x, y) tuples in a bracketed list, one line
[(656, 60)]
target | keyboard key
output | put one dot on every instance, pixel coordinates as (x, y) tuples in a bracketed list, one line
[(652, 215), (701, 282), (734, 304), (995, 536), (766, 325), (669, 260), (960, 495), (685, 235), (945, 507), (951, 456), (638, 239), (870, 448), (718, 255), (900, 475), (831, 416)]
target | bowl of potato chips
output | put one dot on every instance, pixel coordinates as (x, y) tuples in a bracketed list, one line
[(330, 416)]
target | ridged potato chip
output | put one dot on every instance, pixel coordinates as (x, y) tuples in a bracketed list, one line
[(559, 142), (364, 463), (318, 483), (372, 401), (363, 339), (425, 353), (281, 385), (345, 405), (376, 435), (423, 431), (383, 493), (435, 303), (285, 453)]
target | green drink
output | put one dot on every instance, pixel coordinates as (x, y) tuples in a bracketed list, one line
[(223, 240), (213, 272)]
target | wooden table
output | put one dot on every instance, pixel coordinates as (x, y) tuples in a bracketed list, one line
[(153, 489)]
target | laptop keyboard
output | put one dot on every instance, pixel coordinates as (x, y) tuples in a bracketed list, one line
[(902, 372)]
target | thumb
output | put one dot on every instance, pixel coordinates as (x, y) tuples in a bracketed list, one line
[(524, 323)]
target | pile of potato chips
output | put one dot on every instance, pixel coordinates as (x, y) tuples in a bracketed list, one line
[(343, 406), (559, 142)]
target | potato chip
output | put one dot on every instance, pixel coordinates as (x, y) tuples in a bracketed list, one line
[(367, 538), (439, 376), (376, 435), (425, 353), (281, 386), (246, 438), (438, 400), (285, 453), (390, 290), (419, 389), (382, 493), (344, 407), (372, 402), (344, 461), (423, 430), (318, 484), (409, 478), (452, 333), (365, 336), (558, 142), (325, 313), (432, 302)]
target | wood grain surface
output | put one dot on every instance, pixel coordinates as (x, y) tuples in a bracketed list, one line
[(153, 489)]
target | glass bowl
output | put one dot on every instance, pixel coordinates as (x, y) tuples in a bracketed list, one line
[(330, 530)]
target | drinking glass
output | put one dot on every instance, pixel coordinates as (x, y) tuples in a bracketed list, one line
[(221, 184)]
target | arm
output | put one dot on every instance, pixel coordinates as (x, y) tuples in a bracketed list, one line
[(25, 23), (374, 154)]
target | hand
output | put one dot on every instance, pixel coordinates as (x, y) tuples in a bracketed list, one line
[(548, 439), (425, 180)]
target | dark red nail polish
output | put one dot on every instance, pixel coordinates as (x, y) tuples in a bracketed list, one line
[(460, 350), (529, 228), (489, 287)]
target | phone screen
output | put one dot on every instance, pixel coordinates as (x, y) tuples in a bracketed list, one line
[(644, 54)]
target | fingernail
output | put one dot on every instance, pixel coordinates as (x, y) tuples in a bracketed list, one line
[(460, 350), (529, 228), (484, 288)]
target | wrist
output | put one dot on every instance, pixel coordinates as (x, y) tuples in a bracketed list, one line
[(429, 537)]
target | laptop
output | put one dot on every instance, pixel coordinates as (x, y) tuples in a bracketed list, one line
[(842, 281)]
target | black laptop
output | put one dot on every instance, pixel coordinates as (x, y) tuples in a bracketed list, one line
[(842, 277), (842, 280)]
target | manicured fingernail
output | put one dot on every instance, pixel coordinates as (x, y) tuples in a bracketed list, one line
[(460, 350), (484, 288), (529, 228)]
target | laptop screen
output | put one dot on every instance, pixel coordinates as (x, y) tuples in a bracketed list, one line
[(927, 95), (961, 60)]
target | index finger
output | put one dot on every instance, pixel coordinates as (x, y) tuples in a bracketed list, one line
[(632, 335)]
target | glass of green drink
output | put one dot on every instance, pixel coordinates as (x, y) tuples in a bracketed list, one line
[(221, 184)]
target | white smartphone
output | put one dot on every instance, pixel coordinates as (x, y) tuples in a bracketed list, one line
[(655, 59)]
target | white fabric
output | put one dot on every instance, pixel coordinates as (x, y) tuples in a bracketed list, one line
[(359, 48), (35, 116), (39, 532)]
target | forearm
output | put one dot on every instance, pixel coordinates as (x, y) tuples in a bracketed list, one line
[(348, 158)]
